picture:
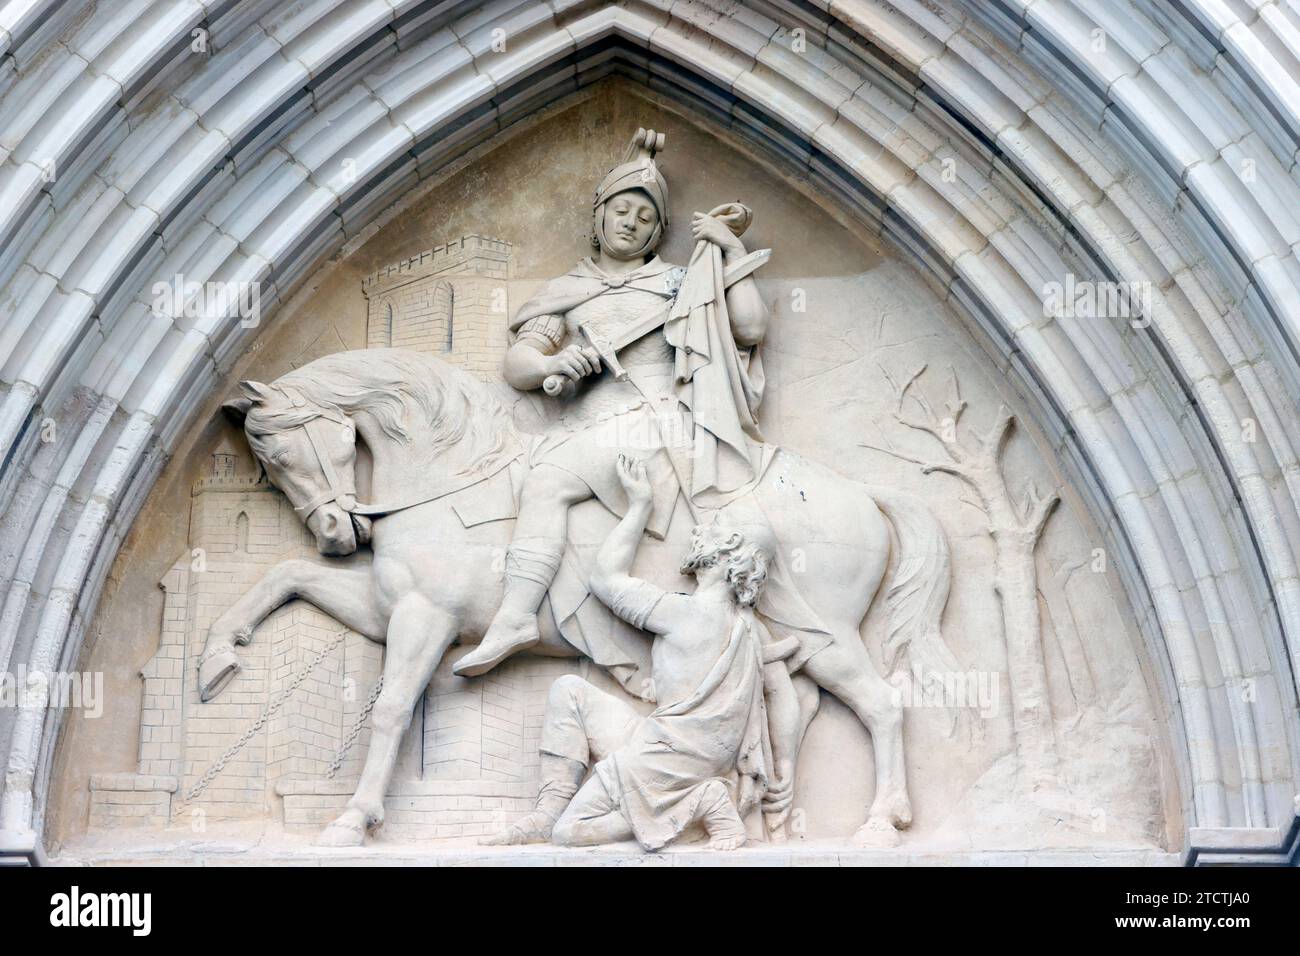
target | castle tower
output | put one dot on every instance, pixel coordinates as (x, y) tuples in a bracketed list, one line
[(449, 300), (223, 460), (470, 760)]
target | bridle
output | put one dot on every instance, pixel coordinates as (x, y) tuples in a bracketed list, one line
[(336, 490), (343, 492)]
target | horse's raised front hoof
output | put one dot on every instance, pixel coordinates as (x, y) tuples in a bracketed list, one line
[(348, 830), (876, 834), (216, 671)]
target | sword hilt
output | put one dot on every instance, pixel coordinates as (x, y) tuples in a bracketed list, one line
[(554, 384)]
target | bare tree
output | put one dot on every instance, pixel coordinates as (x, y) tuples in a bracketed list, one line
[(1015, 529)]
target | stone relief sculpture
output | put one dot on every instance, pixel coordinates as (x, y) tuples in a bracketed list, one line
[(655, 776), (649, 360), (1015, 530), (704, 362)]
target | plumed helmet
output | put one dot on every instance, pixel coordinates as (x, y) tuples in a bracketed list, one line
[(637, 171)]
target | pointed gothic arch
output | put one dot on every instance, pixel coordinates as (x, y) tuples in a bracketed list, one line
[(989, 143)]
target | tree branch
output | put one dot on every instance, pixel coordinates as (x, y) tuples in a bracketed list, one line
[(926, 466), (996, 436), (1036, 517), (930, 425), (955, 405)]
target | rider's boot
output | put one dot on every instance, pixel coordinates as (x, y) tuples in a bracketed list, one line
[(531, 564), (560, 779)]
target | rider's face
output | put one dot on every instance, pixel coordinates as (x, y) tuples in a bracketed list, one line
[(630, 221)]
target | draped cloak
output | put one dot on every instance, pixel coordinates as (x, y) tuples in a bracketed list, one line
[(721, 385), (719, 731)]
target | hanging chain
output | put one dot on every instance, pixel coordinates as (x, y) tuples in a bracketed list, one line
[(276, 703), (357, 724)]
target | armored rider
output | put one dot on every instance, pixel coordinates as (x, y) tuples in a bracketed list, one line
[(682, 393)]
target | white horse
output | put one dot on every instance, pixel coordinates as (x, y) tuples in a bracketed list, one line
[(446, 461)]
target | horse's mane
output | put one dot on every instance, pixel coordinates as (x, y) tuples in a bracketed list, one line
[(392, 385)]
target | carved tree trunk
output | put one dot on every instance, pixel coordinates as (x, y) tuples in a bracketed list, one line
[(1016, 584), (1015, 532)]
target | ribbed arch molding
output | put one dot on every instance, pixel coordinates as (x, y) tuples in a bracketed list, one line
[(998, 145)]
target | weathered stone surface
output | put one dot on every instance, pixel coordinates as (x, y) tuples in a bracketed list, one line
[(992, 150)]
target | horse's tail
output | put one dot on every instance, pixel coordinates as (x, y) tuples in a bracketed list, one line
[(917, 589)]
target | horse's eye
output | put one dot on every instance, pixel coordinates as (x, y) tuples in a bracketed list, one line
[(282, 458)]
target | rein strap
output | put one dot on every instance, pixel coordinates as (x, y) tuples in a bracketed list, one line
[(345, 494)]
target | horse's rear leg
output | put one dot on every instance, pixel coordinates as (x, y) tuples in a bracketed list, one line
[(779, 799), (845, 669), (418, 636)]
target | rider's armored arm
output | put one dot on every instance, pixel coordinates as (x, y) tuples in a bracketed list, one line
[(525, 366), (749, 314), (531, 357)]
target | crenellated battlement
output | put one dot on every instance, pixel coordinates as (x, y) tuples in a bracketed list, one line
[(450, 301), (473, 253), (230, 483)]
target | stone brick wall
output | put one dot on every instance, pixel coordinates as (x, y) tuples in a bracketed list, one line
[(222, 567), (469, 761), (489, 728), (130, 800), (306, 731), (163, 675), (450, 301)]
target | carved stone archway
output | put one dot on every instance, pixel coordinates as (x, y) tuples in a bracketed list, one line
[(998, 146)]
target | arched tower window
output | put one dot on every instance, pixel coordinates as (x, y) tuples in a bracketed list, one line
[(441, 310), (388, 318)]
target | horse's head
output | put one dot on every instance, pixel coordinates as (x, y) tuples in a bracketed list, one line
[(309, 453)]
